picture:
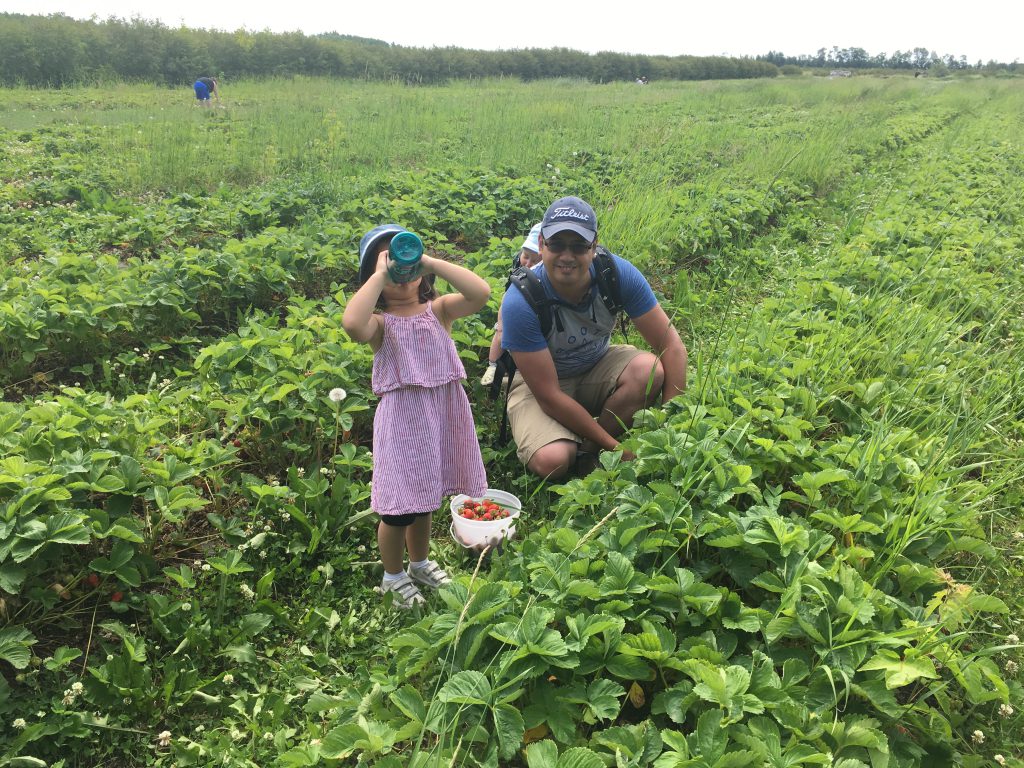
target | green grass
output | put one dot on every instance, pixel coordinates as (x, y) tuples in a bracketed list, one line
[(841, 483)]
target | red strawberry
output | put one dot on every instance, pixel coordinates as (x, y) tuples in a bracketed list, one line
[(116, 597)]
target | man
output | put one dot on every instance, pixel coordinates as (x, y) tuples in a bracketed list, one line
[(204, 87), (575, 374)]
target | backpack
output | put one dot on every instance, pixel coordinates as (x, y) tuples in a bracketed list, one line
[(528, 284)]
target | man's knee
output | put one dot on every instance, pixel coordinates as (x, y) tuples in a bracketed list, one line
[(553, 460), (644, 376)]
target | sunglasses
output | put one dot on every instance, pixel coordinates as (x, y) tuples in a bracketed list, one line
[(578, 247)]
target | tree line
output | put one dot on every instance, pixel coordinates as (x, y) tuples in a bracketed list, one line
[(858, 58), (56, 50)]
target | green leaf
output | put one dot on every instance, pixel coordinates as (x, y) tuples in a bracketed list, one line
[(340, 742), (14, 645), (542, 754), (11, 577), (579, 757), (901, 671), (62, 657), (508, 723), (466, 687), (410, 702)]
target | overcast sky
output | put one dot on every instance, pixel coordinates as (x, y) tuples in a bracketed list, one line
[(980, 29)]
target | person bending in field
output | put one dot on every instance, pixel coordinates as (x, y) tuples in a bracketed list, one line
[(528, 256), (424, 439), (205, 87), (574, 391)]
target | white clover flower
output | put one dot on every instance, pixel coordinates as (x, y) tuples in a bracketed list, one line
[(263, 554), (235, 734), (337, 394), (19, 723), (200, 728), (77, 688), (1005, 710), (1018, 535), (300, 471), (206, 566), (268, 736), (999, 759), (978, 737), (186, 607), (1013, 639), (1011, 667), (163, 739), (266, 527), (324, 470), (228, 678), (197, 563), (246, 591), (69, 699)]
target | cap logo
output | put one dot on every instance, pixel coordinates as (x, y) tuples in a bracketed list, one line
[(571, 213)]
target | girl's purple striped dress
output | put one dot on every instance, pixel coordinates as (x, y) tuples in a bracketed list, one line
[(424, 440)]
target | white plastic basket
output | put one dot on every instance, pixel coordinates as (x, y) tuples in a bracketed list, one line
[(475, 532)]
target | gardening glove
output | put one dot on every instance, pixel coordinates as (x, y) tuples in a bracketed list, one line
[(488, 376)]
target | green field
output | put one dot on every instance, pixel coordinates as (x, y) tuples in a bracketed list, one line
[(814, 559)]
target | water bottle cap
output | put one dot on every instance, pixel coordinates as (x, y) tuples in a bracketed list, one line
[(406, 247)]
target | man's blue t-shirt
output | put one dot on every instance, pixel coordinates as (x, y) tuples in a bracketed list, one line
[(587, 327)]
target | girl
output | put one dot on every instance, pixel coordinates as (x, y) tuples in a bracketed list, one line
[(424, 439)]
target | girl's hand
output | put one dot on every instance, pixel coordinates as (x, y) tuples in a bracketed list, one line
[(382, 265), (427, 264)]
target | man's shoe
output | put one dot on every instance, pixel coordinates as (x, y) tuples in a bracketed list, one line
[(407, 594), (430, 575)]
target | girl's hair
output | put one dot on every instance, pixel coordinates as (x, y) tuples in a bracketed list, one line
[(427, 292)]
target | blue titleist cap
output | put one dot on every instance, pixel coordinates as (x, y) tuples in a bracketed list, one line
[(570, 213)]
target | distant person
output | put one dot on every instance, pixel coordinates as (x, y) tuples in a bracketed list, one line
[(205, 87), (529, 254), (575, 392)]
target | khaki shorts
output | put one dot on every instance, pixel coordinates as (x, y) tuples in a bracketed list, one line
[(532, 429)]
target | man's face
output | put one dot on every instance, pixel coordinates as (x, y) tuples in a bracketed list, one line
[(567, 257)]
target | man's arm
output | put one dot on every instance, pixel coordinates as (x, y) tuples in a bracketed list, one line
[(538, 370), (664, 341)]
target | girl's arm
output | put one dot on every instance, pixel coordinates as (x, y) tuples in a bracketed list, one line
[(473, 290), (359, 321)]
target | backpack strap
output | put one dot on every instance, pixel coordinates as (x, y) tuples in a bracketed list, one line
[(608, 280), (530, 287)]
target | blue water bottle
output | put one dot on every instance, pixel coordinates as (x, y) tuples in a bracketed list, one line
[(404, 254)]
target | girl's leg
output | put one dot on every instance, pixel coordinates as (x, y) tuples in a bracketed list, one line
[(391, 541), (417, 539)]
